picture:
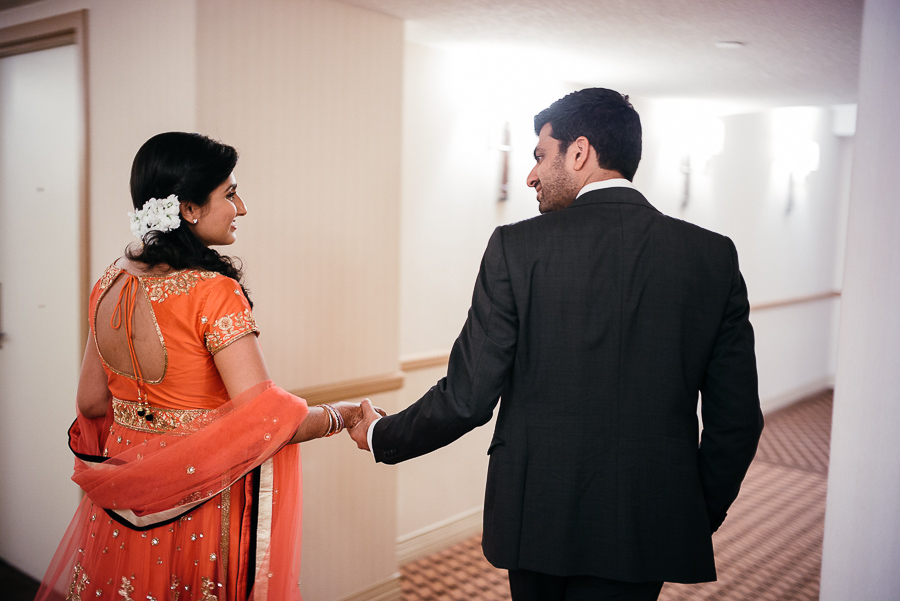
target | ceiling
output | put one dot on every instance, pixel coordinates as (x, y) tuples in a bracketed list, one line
[(794, 52)]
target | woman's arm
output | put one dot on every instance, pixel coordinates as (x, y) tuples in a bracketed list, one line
[(242, 366), (93, 392)]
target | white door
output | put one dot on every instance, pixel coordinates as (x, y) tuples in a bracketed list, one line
[(40, 165)]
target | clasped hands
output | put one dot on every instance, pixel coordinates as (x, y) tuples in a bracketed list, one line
[(357, 419)]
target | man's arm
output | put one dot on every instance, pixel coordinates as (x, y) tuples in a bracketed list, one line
[(732, 420), (480, 362)]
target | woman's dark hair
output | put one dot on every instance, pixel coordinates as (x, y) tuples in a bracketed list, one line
[(605, 118), (190, 166)]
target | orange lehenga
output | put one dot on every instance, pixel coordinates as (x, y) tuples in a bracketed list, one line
[(201, 500)]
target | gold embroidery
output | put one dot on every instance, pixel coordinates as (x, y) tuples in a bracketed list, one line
[(125, 590), (207, 586), (112, 272), (225, 535), (229, 328), (191, 498), (79, 582), (125, 413), (180, 282), (174, 588)]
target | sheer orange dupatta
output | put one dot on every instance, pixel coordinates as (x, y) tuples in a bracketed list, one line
[(172, 473)]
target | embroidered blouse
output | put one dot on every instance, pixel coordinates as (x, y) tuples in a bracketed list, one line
[(197, 314)]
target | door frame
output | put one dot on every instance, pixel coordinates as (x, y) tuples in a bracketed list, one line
[(44, 34)]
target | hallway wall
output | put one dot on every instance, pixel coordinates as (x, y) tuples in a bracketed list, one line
[(785, 253), (862, 519), (310, 93)]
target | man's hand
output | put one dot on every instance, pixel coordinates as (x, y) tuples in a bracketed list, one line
[(360, 430)]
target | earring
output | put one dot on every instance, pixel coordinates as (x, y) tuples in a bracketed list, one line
[(195, 220)]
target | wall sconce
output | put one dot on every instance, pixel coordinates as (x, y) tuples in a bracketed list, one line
[(799, 158), (805, 161), (704, 139), (505, 148), (795, 153)]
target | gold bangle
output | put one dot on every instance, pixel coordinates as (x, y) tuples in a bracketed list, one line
[(330, 422), (340, 419), (337, 423)]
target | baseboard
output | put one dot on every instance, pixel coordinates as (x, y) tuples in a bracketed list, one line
[(795, 394), (439, 536), (386, 590)]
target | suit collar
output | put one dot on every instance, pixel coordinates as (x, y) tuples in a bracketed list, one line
[(616, 182), (616, 195)]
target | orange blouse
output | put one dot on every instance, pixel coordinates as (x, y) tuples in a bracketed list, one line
[(197, 314)]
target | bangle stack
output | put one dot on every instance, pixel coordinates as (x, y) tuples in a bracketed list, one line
[(335, 421)]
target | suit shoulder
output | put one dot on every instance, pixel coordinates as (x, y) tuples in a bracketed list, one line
[(695, 231), (532, 226), (524, 224)]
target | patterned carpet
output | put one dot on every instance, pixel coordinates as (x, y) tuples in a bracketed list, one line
[(769, 548)]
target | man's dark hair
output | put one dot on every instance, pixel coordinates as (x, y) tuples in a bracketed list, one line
[(605, 118)]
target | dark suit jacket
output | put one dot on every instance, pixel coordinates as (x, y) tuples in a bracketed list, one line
[(598, 325)]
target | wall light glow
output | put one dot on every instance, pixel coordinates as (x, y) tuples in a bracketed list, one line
[(794, 152), (693, 134)]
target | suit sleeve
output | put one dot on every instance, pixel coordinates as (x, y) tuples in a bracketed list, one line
[(732, 420), (480, 362)]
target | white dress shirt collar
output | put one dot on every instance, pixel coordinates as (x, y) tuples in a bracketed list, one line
[(618, 182)]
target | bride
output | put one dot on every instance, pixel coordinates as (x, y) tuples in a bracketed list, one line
[(182, 442)]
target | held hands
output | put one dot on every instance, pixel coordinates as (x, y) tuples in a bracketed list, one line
[(360, 429), (355, 417)]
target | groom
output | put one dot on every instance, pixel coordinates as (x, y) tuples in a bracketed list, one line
[(598, 323)]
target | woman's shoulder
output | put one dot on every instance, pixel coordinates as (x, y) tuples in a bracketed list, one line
[(108, 277), (181, 282), (161, 281)]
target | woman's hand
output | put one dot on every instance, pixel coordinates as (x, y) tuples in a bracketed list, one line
[(352, 413), (360, 431)]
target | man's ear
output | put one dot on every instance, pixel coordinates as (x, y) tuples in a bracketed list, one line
[(581, 151)]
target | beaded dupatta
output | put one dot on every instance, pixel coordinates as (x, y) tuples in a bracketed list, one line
[(170, 474)]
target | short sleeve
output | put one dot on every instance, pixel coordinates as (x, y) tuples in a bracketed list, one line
[(226, 315)]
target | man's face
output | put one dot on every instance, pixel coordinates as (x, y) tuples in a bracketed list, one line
[(555, 184)]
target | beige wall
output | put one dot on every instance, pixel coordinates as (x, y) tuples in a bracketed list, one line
[(309, 92), (454, 110)]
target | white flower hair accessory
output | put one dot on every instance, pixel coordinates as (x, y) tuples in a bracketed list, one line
[(157, 215)]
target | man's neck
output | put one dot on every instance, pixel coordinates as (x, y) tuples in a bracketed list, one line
[(599, 175)]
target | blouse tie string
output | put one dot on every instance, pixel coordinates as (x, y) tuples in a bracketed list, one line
[(124, 313)]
